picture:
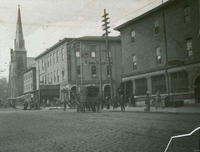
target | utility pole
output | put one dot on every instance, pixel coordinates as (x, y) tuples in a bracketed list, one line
[(106, 28), (166, 49), (100, 73)]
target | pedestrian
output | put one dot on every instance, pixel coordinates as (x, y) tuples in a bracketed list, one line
[(147, 101), (108, 102), (25, 104), (158, 100), (122, 102), (115, 102), (132, 100), (65, 104), (48, 103)]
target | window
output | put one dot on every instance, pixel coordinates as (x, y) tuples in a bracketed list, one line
[(62, 54), (158, 84), (134, 62), (133, 36), (54, 76), (57, 56), (187, 14), (78, 54), (78, 70), (42, 64), (58, 74), (156, 27), (189, 47), (48, 80), (63, 74), (54, 58), (45, 79), (93, 54), (141, 86), (51, 77), (109, 53), (179, 81), (158, 55), (94, 71), (108, 70), (50, 59)]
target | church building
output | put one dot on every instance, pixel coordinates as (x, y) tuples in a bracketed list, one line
[(18, 62)]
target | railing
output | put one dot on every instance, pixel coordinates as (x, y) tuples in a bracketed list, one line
[(185, 135)]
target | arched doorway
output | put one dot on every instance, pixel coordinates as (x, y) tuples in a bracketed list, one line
[(197, 90), (107, 91)]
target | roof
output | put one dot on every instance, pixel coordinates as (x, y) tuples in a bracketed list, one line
[(169, 2), (85, 38), (99, 38), (60, 42)]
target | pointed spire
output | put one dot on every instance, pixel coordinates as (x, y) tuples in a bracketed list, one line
[(19, 40)]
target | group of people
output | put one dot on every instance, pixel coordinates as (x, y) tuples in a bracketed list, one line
[(156, 102), (95, 104)]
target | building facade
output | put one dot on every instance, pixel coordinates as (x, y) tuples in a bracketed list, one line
[(72, 63), (87, 65), (161, 51), (18, 62), (30, 81), (51, 70)]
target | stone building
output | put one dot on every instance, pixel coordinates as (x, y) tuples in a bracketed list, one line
[(18, 62), (71, 63), (161, 51)]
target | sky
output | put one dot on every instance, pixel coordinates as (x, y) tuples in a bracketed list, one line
[(45, 22)]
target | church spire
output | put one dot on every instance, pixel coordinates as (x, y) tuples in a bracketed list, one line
[(19, 40)]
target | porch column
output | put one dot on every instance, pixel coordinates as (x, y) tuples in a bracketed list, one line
[(149, 84)]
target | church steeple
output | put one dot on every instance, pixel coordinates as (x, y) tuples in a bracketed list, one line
[(19, 39)]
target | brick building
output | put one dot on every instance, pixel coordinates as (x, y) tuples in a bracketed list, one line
[(155, 61), (74, 62), (50, 69), (30, 81)]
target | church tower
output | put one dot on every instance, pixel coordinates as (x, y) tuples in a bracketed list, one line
[(18, 62)]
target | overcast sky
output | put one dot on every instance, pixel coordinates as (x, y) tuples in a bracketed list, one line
[(47, 21)]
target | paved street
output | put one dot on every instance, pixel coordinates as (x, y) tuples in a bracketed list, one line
[(58, 131)]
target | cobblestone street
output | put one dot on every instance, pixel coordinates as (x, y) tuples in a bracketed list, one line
[(58, 131)]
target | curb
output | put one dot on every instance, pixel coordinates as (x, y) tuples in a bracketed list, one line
[(161, 112)]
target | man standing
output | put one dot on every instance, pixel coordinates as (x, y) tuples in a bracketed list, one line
[(122, 104), (147, 101)]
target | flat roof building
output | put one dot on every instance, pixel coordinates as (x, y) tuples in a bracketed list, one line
[(161, 51)]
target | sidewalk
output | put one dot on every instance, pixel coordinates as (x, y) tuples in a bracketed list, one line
[(187, 109)]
